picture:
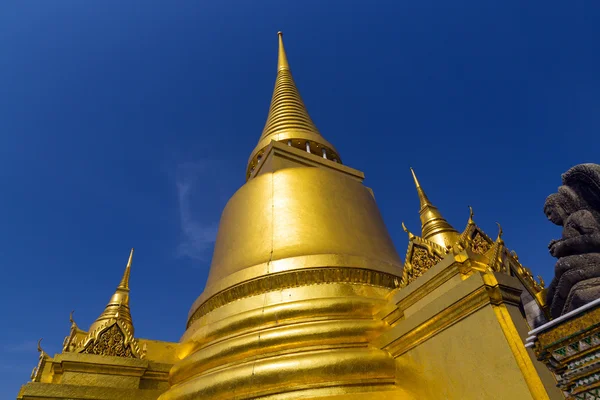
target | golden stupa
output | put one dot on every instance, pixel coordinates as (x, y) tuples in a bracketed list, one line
[(307, 298)]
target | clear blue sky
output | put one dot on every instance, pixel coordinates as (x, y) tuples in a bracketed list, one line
[(129, 124)]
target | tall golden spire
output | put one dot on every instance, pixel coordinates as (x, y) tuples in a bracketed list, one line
[(433, 226), (288, 120), (118, 306)]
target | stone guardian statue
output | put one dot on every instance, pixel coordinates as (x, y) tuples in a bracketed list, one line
[(575, 207)]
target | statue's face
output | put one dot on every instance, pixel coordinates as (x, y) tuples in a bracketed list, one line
[(554, 213)]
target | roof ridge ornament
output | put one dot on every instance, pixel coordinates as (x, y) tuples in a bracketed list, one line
[(410, 235)]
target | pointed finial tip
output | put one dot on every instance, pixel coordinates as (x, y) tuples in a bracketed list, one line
[(412, 171), (500, 232), (410, 235), (125, 280), (282, 62)]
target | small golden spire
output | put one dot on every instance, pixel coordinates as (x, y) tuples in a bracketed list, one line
[(288, 119), (433, 226), (39, 346), (125, 280), (118, 305)]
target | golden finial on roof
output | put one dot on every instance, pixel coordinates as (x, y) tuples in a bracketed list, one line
[(37, 370), (500, 232), (72, 321), (542, 283), (496, 263), (288, 120), (410, 235), (433, 226), (464, 236)]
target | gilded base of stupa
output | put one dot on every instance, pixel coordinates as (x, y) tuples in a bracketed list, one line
[(425, 342)]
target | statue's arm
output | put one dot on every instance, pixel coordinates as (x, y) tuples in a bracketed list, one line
[(579, 235), (576, 245)]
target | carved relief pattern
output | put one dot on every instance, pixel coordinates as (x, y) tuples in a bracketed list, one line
[(111, 342), (421, 262), (479, 244)]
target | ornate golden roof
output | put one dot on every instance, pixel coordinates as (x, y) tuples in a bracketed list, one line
[(288, 119), (423, 253), (433, 226)]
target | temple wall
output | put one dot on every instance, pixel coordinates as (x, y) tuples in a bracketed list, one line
[(466, 344), (469, 360)]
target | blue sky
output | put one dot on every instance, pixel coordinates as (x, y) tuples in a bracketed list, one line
[(129, 124)]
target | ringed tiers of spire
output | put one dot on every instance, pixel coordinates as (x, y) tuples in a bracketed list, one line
[(288, 120), (118, 306), (433, 226)]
